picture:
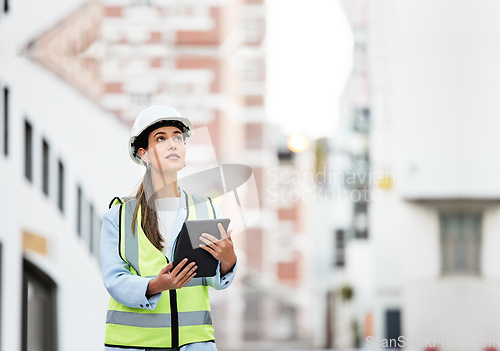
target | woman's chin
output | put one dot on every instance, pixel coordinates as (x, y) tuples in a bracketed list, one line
[(171, 168)]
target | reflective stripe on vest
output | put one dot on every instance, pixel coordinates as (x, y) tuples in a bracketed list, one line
[(158, 320), (177, 319)]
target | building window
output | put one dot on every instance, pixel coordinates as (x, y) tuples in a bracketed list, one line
[(60, 193), (252, 30), (28, 152), (340, 248), (361, 120), (393, 328), (254, 299), (287, 319), (140, 100), (79, 210), (6, 121), (39, 327), (360, 220), (45, 165), (460, 242), (91, 228), (141, 2), (252, 70)]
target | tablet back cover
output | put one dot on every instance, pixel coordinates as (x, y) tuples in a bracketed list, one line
[(188, 245)]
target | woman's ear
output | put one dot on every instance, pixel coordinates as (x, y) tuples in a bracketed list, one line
[(143, 154)]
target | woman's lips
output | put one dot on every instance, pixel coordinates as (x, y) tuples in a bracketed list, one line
[(173, 157)]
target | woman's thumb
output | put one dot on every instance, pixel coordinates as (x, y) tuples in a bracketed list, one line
[(166, 268)]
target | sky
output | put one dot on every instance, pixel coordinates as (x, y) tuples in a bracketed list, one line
[(309, 48)]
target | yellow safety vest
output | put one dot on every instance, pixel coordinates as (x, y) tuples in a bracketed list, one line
[(182, 316)]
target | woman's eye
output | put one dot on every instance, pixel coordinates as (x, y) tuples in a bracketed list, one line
[(177, 138), (160, 138)]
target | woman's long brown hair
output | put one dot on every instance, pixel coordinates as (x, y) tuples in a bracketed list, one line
[(149, 220)]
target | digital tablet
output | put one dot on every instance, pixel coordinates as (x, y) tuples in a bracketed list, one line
[(189, 240)]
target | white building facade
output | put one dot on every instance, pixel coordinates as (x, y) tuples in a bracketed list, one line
[(433, 214), (62, 161)]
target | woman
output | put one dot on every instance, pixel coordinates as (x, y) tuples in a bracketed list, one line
[(153, 304)]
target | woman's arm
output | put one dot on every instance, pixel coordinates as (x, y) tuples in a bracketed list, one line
[(123, 286), (217, 282), (222, 281)]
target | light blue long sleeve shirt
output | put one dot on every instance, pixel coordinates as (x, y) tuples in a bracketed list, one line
[(129, 289)]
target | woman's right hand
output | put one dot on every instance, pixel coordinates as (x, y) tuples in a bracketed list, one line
[(176, 279)]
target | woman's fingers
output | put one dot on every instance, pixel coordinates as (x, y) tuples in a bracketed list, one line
[(208, 248), (222, 231), (184, 272), (188, 277), (209, 240), (192, 268), (167, 268), (179, 266), (229, 234), (213, 239)]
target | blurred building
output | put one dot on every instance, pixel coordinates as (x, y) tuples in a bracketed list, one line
[(419, 256), (63, 147), (59, 164), (285, 281), (348, 182)]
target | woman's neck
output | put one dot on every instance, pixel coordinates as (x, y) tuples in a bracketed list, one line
[(165, 185)]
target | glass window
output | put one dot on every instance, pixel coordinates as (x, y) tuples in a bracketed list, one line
[(141, 2), (28, 152), (253, 314), (6, 121), (340, 248), (252, 70), (45, 165), (286, 322), (361, 120), (360, 220), (79, 210), (60, 177), (460, 242), (140, 100), (39, 310), (253, 30), (393, 328)]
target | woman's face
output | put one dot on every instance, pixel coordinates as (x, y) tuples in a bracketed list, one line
[(166, 150)]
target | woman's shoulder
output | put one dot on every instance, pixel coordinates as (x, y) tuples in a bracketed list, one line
[(112, 214)]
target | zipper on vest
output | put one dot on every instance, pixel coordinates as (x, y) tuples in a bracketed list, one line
[(174, 318)]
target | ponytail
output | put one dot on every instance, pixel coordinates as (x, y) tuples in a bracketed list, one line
[(149, 219)]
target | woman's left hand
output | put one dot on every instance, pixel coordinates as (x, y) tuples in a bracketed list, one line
[(222, 250)]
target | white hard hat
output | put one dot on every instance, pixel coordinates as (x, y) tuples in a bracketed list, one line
[(151, 116)]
